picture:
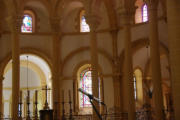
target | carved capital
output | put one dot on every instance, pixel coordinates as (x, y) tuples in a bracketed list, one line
[(1, 78), (93, 20), (0, 29), (116, 61), (117, 74), (87, 5), (114, 31), (126, 14), (14, 23), (55, 24), (152, 4)]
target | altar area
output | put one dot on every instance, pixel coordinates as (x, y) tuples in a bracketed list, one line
[(67, 111)]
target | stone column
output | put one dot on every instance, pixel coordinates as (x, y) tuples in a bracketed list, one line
[(93, 22), (75, 95), (173, 19), (56, 37), (155, 58), (125, 17), (1, 95), (1, 18), (116, 72), (14, 23), (0, 28)]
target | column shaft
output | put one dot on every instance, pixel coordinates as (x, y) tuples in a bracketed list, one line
[(14, 21), (55, 76), (15, 75), (116, 72), (94, 66), (56, 64), (155, 61), (93, 23), (1, 96), (173, 17), (128, 73)]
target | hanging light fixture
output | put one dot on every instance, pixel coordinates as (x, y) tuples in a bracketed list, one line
[(28, 93)]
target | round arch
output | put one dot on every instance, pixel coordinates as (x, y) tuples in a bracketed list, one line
[(82, 49), (33, 67), (59, 6), (82, 65), (76, 75), (6, 65), (45, 4), (111, 13), (138, 74), (140, 43), (31, 51)]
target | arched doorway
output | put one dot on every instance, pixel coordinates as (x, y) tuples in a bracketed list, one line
[(35, 73)]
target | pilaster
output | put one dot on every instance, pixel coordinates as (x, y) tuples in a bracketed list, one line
[(1, 95), (116, 71), (173, 20), (56, 37), (0, 27)]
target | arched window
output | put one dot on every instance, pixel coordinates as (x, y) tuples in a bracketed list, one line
[(28, 22), (135, 87), (84, 27), (86, 85), (145, 13), (84, 81), (138, 87)]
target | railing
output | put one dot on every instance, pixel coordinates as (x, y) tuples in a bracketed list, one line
[(122, 116), (150, 115), (78, 117), (24, 118), (144, 115)]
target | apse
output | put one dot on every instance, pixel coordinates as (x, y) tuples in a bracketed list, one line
[(35, 74)]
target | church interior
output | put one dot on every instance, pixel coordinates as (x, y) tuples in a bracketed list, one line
[(65, 59)]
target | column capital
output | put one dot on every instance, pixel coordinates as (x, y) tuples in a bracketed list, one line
[(14, 22), (93, 20), (116, 61), (126, 14), (1, 78), (126, 10), (0, 32), (87, 5), (55, 24), (0, 26), (74, 77), (114, 30), (152, 4), (117, 74)]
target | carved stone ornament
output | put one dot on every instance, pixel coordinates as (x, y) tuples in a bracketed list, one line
[(55, 24)]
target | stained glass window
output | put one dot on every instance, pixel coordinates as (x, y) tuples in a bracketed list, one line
[(27, 24), (144, 13), (135, 88), (84, 26), (86, 85)]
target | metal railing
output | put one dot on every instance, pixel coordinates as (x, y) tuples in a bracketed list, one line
[(24, 118), (122, 116), (144, 115)]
